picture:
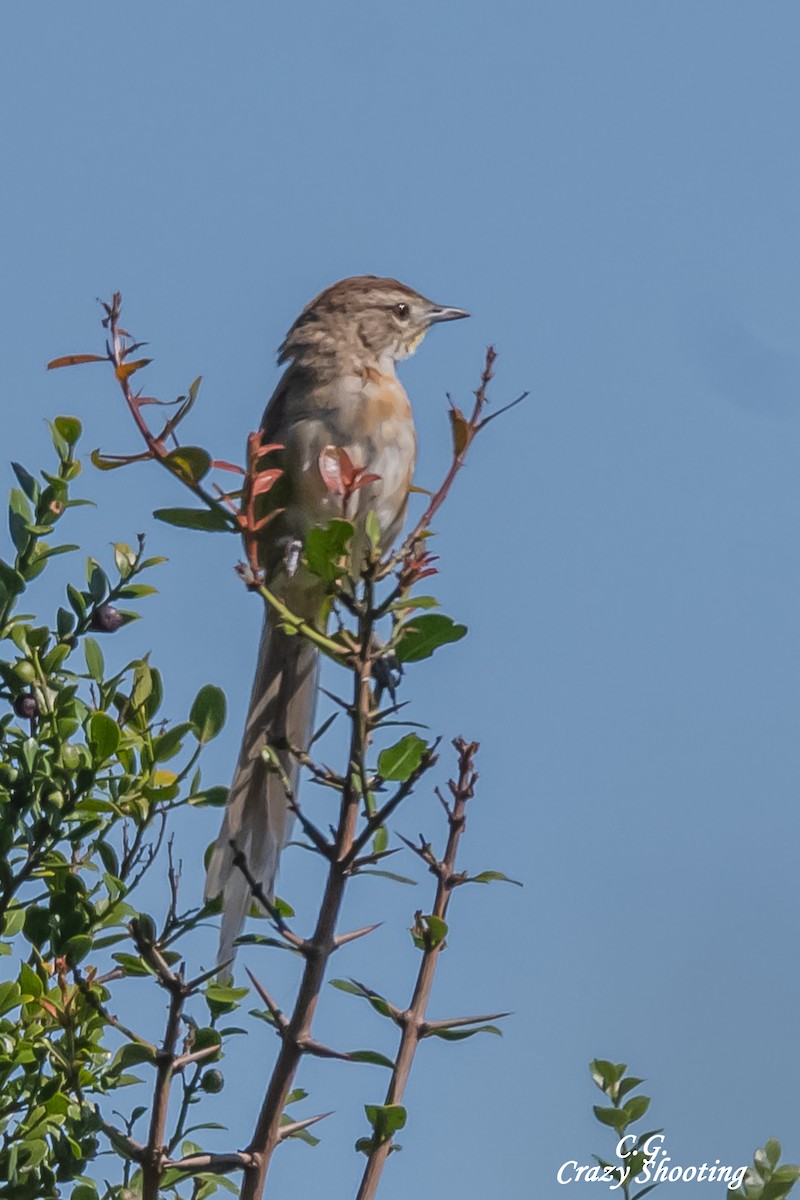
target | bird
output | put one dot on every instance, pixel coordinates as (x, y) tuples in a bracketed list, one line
[(339, 390)]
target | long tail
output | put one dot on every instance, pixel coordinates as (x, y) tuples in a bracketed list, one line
[(257, 817)]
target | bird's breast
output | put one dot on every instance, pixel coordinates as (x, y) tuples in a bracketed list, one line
[(369, 416)]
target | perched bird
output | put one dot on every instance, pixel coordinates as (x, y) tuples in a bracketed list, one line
[(339, 390)]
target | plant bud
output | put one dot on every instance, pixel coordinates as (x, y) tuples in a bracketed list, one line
[(106, 619)]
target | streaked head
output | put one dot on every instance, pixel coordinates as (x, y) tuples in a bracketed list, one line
[(364, 315)]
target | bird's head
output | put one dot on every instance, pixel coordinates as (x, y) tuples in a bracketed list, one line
[(364, 316)]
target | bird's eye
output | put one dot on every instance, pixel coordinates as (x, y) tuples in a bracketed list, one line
[(401, 311)]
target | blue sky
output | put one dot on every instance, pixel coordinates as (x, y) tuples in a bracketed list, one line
[(611, 188)]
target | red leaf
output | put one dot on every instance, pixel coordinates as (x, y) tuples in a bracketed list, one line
[(126, 369), (264, 480), (72, 360), (461, 429), (221, 465), (363, 480), (336, 469)]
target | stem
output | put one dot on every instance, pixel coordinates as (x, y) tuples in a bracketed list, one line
[(155, 1151), (296, 1036), (413, 1019), (326, 644)]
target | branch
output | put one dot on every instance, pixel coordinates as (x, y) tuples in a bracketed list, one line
[(258, 893), (379, 818), (155, 1150), (269, 1131), (414, 1025), (214, 1164)]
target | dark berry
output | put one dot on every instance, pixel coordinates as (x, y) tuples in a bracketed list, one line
[(107, 619), (26, 706)]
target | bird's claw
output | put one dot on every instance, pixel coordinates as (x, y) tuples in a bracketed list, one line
[(292, 552), (387, 672)]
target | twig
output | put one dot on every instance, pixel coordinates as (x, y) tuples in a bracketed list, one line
[(173, 983), (378, 818), (258, 893), (214, 1164), (414, 1025)]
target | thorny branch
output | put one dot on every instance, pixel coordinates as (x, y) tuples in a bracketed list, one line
[(412, 1020)]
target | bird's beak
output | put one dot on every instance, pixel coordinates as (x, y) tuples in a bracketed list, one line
[(445, 314)]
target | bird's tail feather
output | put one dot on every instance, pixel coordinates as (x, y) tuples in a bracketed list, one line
[(257, 818)]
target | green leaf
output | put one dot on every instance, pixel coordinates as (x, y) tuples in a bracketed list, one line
[(69, 428), (422, 635), (371, 1056), (84, 1191), (221, 998), (458, 1035), (103, 734), (189, 462), (428, 932), (635, 1108), (10, 996), (354, 988), (168, 744), (111, 462), (414, 602), (26, 481), (210, 520), (131, 1055), (77, 600), (208, 713), (372, 528), (95, 663), (615, 1117), (627, 1085), (131, 965), (11, 580), (606, 1073), (395, 878), (19, 518), (77, 948), (385, 1119), (325, 548), (13, 922), (786, 1173), (213, 797), (30, 983), (399, 762), (97, 580), (492, 877), (772, 1152)]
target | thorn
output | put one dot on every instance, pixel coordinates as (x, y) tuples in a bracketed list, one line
[(344, 938), (318, 1050), (336, 699), (458, 1022), (443, 802), (194, 984), (275, 1012), (195, 1056), (295, 1127)]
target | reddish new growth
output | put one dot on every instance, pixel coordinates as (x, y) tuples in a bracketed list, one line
[(341, 476), (417, 563), (256, 483), (238, 509)]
